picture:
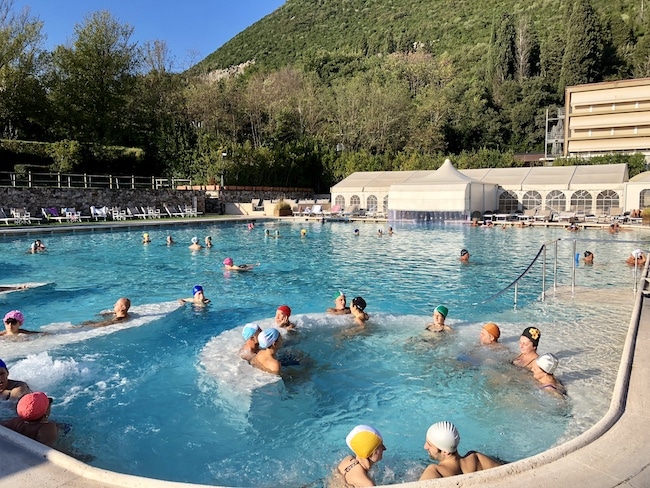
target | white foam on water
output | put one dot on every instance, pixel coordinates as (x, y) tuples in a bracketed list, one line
[(62, 333)]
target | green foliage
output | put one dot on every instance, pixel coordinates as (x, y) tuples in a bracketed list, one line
[(67, 156)]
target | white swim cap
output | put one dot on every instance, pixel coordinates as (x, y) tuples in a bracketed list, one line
[(637, 253), (547, 363), (444, 436), (195, 240), (364, 440)]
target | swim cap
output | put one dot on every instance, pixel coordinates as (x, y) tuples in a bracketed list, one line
[(359, 302), (588, 253), (196, 289), (363, 440), (442, 310), (547, 363), (637, 253), (33, 406), (356, 231), (492, 329), (339, 294), (285, 310), (15, 314), (533, 334), (228, 262), (463, 252), (303, 231), (250, 330), (444, 436), (3, 365), (145, 235), (268, 337), (195, 240)]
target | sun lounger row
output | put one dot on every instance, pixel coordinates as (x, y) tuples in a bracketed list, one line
[(19, 216)]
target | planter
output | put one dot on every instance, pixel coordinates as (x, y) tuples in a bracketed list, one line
[(282, 212)]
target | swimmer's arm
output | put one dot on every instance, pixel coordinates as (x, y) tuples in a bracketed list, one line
[(186, 300), (23, 331), (47, 434), (431, 472), (19, 391)]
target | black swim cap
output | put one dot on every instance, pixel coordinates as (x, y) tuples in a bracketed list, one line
[(463, 252), (359, 302)]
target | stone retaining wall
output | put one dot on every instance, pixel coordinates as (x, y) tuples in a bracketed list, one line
[(33, 199)]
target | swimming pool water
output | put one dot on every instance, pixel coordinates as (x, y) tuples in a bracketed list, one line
[(163, 397)]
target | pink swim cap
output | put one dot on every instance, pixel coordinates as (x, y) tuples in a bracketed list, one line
[(17, 315), (227, 262), (33, 406)]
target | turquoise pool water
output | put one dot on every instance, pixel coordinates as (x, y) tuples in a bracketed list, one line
[(165, 396)]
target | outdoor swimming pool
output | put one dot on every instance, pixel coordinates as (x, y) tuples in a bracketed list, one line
[(162, 396)]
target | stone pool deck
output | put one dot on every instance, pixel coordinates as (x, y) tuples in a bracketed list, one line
[(613, 453)]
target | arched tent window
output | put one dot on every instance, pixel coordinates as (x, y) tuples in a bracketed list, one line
[(371, 203), (644, 199), (386, 204), (581, 201), (340, 201), (508, 202), (531, 200), (606, 200), (556, 201), (355, 200)]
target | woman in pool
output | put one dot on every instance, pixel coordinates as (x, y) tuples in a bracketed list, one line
[(528, 346), (282, 315), (198, 297), (195, 246), (636, 258), (439, 316), (37, 246), (543, 370), (357, 309), (208, 241), (13, 321), (145, 238), (251, 347), (230, 265), (265, 360), (33, 412), (368, 447)]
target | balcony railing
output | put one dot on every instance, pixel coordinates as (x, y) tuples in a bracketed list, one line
[(65, 180)]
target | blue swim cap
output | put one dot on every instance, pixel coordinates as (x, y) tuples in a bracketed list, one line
[(250, 330), (3, 365), (268, 337), (196, 289)]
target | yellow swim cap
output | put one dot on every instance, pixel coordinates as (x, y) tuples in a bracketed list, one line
[(364, 440)]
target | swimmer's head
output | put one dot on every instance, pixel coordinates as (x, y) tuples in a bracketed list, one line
[(267, 232), (3, 365), (195, 240), (442, 310), (492, 329), (196, 289), (359, 302), (533, 334), (303, 232), (33, 406), (250, 330), (588, 253), (268, 337), (547, 363), (228, 262), (15, 316), (145, 235), (363, 440), (637, 253), (285, 310), (444, 436), (464, 252), (356, 231)]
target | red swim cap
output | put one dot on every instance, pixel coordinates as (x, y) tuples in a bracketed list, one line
[(285, 310)]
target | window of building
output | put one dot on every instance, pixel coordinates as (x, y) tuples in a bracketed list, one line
[(386, 204), (531, 200), (508, 202), (606, 200), (556, 201), (371, 203), (581, 201), (644, 199), (340, 201), (355, 200)]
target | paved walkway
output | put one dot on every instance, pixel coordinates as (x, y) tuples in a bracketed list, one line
[(613, 453)]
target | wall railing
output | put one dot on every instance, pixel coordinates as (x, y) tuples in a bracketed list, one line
[(31, 179)]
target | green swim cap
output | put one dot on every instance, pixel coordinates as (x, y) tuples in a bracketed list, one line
[(442, 310)]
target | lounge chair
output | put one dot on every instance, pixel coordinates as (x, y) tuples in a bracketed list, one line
[(136, 213), (257, 205), (98, 213), (544, 216), (151, 212), (51, 213), (316, 209), (351, 211), (173, 211), (22, 216), (529, 214), (118, 214), (73, 215), (190, 211), (4, 218)]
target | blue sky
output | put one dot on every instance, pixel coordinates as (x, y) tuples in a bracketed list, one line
[(192, 29)]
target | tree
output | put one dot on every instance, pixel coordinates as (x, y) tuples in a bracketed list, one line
[(526, 50), (583, 53), (93, 79), (502, 50)]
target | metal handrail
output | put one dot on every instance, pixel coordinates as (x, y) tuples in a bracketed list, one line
[(542, 252), (30, 179)]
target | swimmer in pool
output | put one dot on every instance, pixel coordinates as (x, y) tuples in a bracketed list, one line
[(357, 309), (439, 315), (368, 447), (464, 256), (13, 322), (282, 315), (33, 412), (528, 346), (11, 389), (543, 370), (442, 443), (208, 241), (230, 265), (340, 305), (198, 297), (195, 246), (589, 257), (145, 238), (37, 246), (489, 334), (269, 341), (170, 240), (251, 347), (13, 288), (120, 313), (636, 258)]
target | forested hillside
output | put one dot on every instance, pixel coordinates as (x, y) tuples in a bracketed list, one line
[(319, 88)]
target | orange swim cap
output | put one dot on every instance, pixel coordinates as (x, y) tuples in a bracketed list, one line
[(493, 330)]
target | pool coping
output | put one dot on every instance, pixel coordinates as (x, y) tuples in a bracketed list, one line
[(586, 459)]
